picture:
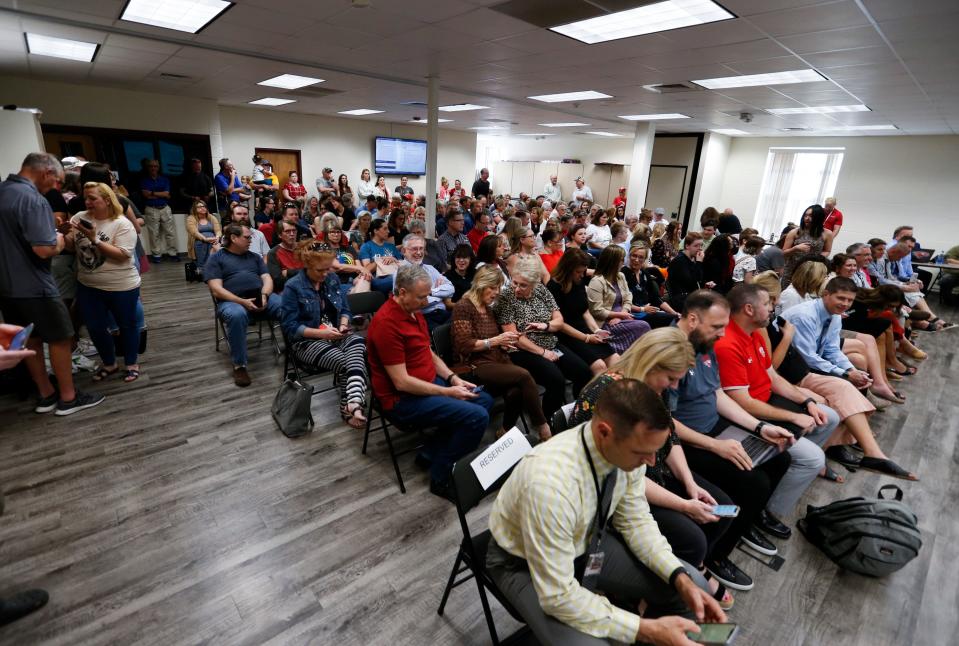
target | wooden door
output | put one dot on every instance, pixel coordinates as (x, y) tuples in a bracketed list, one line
[(283, 162), (70, 145)]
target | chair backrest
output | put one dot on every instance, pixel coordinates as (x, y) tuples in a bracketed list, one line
[(469, 492), (560, 421), (443, 342), (365, 302)]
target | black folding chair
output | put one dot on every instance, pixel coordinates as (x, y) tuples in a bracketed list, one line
[(560, 421), (219, 330), (294, 369), (471, 557), (365, 303)]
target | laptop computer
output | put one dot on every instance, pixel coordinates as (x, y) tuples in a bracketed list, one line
[(923, 255), (758, 449)]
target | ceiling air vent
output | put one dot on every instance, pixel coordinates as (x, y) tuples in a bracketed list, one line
[(312, 92), (672, 88), (178, 77)]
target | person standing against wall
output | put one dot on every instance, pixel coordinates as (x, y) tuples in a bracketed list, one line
[(157, 213)]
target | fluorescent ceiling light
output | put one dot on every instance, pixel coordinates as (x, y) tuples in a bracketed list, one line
[(271, 101), (462, 107), (290, 81), (652, 117), (751, 80), (885, 126), (729, 132), (562, 125), (360, 112), (536, 134), (603, 134), (424, 121), (73, 50), (585, 95), (652, 18), (823, 109), (182, 15), (487, 128)]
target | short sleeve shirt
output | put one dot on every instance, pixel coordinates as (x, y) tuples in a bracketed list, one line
[(743, 362), (26, 220), (833, 220), (696, 395), (241, 274), (538, 308), (159, 185), (96, 270), (393, 338), (744, 265)]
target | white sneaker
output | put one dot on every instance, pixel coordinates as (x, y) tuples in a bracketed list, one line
[(86, 348), (81, 362)]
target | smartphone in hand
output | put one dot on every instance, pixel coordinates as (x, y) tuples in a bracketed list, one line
[(726, 511), (19, 341)]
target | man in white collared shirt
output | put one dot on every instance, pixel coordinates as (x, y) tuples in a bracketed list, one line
[(552, 191), (582, 193)]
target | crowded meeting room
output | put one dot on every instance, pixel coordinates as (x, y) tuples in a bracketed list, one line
[(471, 322)]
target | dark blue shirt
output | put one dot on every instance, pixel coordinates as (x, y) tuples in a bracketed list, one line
[(26, 220), (696, 402), (240, 273), (159, 185)]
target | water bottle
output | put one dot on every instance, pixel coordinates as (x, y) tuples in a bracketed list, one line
[(941, 259)]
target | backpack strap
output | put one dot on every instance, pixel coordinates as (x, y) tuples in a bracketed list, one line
[(889, 487)]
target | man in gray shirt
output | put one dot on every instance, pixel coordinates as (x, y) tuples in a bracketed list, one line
[(324, 184), (452, 238)]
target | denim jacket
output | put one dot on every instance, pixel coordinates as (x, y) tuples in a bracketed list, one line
[(302, 304)]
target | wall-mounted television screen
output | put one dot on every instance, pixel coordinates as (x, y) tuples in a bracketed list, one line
[(399, 156)]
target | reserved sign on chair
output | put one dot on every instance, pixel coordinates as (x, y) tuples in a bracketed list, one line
[(500, 456)]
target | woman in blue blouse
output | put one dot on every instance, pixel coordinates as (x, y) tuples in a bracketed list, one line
[(379, 255), (316, 323)]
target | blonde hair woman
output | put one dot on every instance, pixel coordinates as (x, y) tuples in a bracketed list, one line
[(808, 280), (203, 229), (480, 342), (316, 323), (679, 500), (108, 280)]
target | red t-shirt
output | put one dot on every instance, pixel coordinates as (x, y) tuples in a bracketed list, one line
[(833, 220), (395, 337), (287, 259), (619, 201), (743, 362), (475, 237), (551, 259)]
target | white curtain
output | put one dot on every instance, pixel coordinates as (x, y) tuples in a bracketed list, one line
[(794, 180)]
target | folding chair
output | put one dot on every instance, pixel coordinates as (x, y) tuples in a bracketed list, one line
[(365, 303), (560, 421), (293, 368), (471, 557), (219, 330)]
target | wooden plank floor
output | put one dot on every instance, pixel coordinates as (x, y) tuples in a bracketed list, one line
[(175, 513)]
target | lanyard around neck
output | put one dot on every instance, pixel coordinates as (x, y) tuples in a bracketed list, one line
[(601, 514)]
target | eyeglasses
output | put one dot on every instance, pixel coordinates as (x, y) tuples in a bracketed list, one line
[(247, 237)]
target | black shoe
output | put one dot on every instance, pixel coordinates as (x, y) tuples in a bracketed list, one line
[(47, 404), (727, 573), (844, 456), (21, 605), (80, 402), (755, 539), (423, 461), (174, 258), (155, 259), (772, 525), (442, 489)]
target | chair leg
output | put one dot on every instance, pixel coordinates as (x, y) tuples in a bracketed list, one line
[(449, 584), (389, 444), (369, 424), (486, 610)]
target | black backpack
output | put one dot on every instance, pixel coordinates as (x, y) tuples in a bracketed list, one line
[(871, 536)]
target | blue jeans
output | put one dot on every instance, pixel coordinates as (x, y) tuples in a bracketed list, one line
[(382, 284), (236, 319), (461, 425), (100, 309)]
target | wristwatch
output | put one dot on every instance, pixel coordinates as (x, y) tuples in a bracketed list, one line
[(759, 428), (808, 401)]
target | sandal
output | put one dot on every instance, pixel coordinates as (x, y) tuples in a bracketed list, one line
[(896, 397), (353, 415), (103, 373), (831, 476), (908, 372), (132, 375), (892, 375), (887, 467), (722, 595)]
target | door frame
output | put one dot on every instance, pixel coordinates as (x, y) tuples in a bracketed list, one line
[(265, 153)]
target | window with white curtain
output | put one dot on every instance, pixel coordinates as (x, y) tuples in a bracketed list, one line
[(794, 179)]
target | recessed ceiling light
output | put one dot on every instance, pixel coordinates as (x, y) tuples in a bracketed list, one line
[(487, 128), (885, 126), (182, 15), (360, 112), (652, 18), (271, 101), (562, 125), (603, 134), (750, 80), (536, 134), (823, 109), (290, 81), (73, 50), (462, 107), (424, 121), (585, 95), (729, 132), (653, 117)]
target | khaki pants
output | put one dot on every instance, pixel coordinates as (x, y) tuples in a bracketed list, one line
[(160, 231)]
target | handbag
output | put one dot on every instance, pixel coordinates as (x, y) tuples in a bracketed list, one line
[(383, 268), (192, 275), (291, 408)]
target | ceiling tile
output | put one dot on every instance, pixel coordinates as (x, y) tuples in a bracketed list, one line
[(833, 40), (809, 19)]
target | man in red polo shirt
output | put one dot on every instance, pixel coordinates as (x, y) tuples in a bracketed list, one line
[(833, 220), (415, 387), (747, 376), (481, 224)]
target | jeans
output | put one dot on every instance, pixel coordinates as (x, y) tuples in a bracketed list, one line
[(236, 319), (461, 425), (96, 307), (382, 284)]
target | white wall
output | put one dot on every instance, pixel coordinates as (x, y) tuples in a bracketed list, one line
[(20, 134), (883, 182), (345, 145), (709, 184)]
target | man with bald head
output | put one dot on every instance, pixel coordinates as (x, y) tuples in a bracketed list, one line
[(552, 191)]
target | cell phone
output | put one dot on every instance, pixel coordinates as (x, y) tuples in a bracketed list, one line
[(86, 225), (558, 353), (258, 301), (19, 340), (603, 334), (726, 511), (478, 389), (715, 634)]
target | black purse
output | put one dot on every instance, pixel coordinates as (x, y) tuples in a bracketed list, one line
[(192, 275)]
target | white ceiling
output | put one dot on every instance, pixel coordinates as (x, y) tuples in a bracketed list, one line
[(899, 57)]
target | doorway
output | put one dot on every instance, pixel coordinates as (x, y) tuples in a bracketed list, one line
[(283, 160)]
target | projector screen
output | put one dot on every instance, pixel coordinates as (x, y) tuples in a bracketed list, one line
[(399, 156)]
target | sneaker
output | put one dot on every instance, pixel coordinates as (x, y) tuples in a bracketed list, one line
[(772, 525), (80, 402), (241, 377), (155, 259), (47, 404), (757, 541), (86, 348), (22, 604), (727, 573)]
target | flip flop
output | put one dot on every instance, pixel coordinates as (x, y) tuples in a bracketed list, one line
[(887, 467), (908, 372), (103, 373), (892, 375), (831, 475)]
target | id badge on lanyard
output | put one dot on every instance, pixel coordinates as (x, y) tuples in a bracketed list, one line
[(594, 554)]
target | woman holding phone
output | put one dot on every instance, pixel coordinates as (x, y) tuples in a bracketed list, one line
[(611, 302)]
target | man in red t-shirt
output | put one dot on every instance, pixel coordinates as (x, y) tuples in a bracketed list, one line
[(481, 225), (747, 376), (833, 220), (620, 200), (415, 387)]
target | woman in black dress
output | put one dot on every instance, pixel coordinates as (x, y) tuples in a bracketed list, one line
[(686, 271)]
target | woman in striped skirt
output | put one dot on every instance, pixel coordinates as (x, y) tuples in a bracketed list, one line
[(316, 323)]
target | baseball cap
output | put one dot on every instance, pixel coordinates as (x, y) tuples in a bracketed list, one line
[(72, 163), (660, 211)]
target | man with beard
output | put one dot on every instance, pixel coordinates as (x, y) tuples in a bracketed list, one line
[(702, 412)]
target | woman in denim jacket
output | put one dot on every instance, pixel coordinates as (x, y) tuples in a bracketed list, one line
[(316, 323)]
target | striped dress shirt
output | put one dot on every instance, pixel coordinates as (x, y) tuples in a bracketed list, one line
[(545, 513)]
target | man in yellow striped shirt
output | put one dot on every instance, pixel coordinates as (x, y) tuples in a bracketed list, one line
[(551, 547)]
